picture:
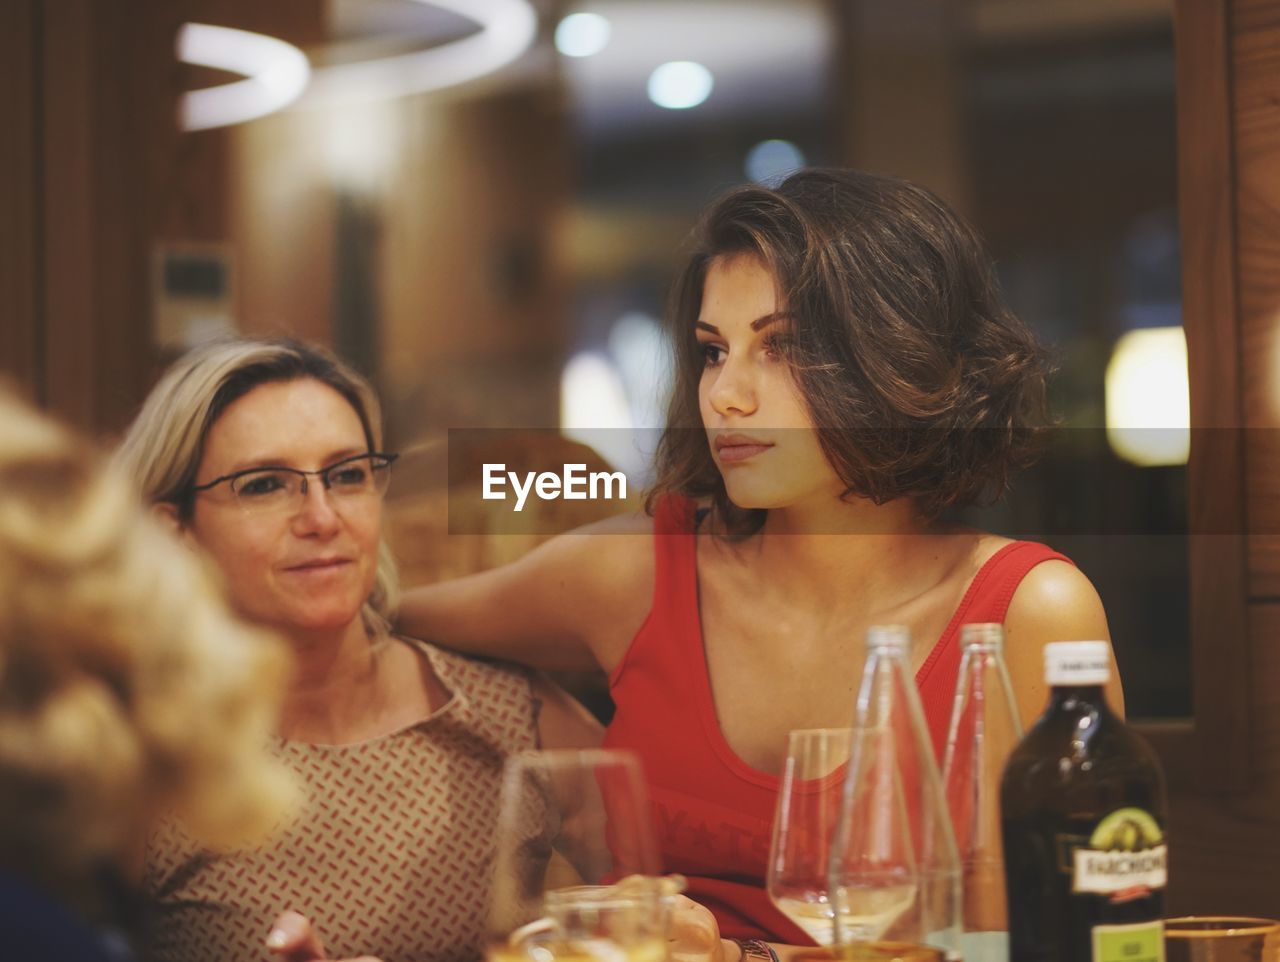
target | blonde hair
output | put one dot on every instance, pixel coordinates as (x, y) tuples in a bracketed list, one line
[(126, 686), (164, 445)]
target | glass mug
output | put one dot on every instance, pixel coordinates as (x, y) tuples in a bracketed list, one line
[(1221, 939), (576, 865), (873, 952), (626, 922)]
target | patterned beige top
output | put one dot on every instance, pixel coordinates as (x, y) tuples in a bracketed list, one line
[(392, 856)]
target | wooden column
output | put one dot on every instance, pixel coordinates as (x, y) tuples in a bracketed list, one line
[(21, 343), (899, 86), (95, 174), (1225, 849)]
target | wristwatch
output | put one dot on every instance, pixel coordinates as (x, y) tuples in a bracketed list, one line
[(756, 950)]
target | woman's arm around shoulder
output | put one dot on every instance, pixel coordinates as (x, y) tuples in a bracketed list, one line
[(1054, 602), (572, 603)]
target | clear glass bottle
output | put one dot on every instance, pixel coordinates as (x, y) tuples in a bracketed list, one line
[(1083, 813), (985, 728), (895, 877)]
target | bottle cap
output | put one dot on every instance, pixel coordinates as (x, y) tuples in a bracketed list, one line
[(889, 636), (1077, 663), (988, 634)]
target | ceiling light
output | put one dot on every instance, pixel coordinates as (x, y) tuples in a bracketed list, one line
[(275, 74), (582, 35), (680, 84), (771, 160), (507, 30)]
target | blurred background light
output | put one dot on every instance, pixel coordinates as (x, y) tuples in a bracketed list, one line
[(360, 146), (772, 62), (582, 35), (680, 84), (594, 411), (592, 394), (638, 349), (276, 74), (1147, 399), (507, 29), (771, 160)]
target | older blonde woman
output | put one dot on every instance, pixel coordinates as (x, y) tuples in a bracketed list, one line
[(125, 688), (267, 458)]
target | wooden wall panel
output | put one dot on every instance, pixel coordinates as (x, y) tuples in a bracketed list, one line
[(20, 340), (110, 84), (1225, 849), (1256, 61), (68, 59), (112, 176), (1256, 118), (476, 292), (432, 223), (1214, 750), (282, 226), (901, 92), (141, 162)]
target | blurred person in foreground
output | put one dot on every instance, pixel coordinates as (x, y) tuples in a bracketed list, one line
[(266, 457), (126, 690)]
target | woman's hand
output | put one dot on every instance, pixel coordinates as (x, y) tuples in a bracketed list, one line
[(695, 935), (293, 939)]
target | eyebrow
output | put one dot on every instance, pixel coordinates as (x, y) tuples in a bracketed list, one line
[(760, 323), (257, 463)]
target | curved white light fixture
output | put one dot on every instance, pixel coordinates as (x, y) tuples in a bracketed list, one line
[(507, 30), (275, 73), (680, 84)]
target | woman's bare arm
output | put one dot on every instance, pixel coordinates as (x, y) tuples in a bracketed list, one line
[(1054, 602), (572, 603)]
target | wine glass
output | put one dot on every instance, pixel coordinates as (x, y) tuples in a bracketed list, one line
[(804, 828), (576, 874)]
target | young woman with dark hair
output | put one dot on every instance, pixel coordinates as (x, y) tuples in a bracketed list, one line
[(846, 372)]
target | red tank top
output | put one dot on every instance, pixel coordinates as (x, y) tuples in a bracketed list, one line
[(713, 813)]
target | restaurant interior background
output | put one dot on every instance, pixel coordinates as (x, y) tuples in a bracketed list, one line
[(495, 252)]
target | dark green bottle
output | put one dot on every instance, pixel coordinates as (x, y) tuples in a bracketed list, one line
[(1083, 812)]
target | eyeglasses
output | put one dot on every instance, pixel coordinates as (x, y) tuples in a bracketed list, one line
[(279, 488)]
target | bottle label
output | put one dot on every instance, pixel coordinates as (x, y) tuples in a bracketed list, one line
[(1106, 873), (1142, 942), (1126, 857)]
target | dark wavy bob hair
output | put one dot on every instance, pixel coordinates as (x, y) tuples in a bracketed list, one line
[(920, 381)]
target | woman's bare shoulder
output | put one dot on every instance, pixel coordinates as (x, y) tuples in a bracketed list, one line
[(1056, 601)]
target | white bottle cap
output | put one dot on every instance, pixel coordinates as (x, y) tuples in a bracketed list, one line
[(1070, 663), (988, 634), (889, 636)]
